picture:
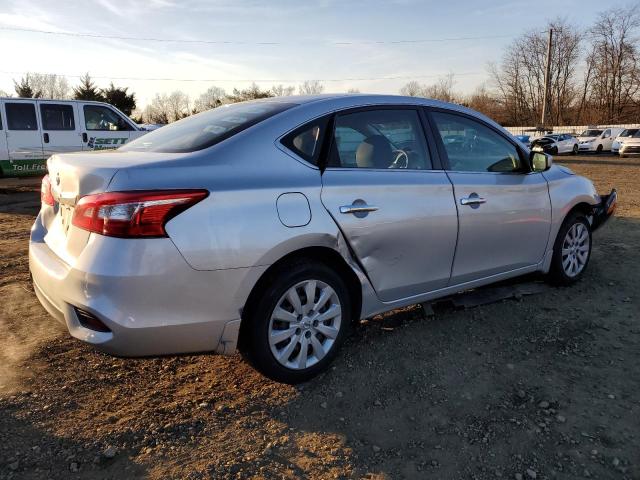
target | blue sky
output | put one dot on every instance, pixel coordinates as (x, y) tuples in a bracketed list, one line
[(306, 33)]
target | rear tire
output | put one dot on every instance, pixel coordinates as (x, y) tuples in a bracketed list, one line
[(571, 250), (599, 149), (575, 149), (293, 332)]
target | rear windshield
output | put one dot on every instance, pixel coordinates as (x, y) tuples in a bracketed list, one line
[(206, 128)]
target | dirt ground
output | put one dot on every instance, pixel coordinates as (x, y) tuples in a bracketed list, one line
[(540, 386)]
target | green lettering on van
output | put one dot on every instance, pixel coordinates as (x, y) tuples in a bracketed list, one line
[(23, 168)]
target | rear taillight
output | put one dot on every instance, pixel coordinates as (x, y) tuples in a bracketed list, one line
[(133, 214), (46, 196)]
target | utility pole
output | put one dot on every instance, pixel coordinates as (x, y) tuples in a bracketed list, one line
[(547, 80)]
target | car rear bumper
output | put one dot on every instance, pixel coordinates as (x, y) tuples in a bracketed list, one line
[(145, 294), (605, 209)]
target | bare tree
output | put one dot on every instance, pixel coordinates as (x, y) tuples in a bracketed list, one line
[(519, 78), (612, 79), (51, 86), (412, 89), (282, 91), (484, 101), (311, 87), (442, 89), (212, 98), (40, 85), (167, 108)]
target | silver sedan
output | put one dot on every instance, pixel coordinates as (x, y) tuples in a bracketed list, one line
[(270, 226)]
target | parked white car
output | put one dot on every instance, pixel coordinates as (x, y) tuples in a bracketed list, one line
[(598, 139), (630, 146), (31, 130), (620, 139), (556, 144)]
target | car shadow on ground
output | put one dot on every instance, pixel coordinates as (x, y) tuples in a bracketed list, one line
[(537, 383), (541, 383)]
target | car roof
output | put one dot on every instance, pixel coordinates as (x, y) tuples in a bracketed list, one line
[(330, 102)]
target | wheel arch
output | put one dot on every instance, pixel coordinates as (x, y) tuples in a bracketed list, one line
[(320, 254)]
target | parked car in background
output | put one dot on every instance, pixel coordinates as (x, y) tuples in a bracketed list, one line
[(556, 144), (598, 139), (31, 130), (272, 225), (624, 135), (630, 146), (525, 139)]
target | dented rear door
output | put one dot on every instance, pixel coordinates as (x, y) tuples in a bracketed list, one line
[(399, 219)]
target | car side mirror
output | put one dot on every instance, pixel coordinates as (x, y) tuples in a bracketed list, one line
[(540, 162)]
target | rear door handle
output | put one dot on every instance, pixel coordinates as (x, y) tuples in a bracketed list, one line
[(85, 139), (472, 200), (45, 137), (358, 208)]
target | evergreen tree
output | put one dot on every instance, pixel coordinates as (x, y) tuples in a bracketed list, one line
[(87, 90), (119, 98), (25, 88)]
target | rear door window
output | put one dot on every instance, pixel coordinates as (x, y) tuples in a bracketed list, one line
[(21, 116), (380, 139), (57, 117)]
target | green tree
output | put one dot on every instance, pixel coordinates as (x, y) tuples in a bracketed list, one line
[(87, 90), (25, 88), (119, 98)]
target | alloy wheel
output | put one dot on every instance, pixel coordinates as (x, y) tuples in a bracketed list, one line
[(305, 324), (575, 250)]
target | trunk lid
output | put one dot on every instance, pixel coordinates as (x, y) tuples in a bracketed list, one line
[(73, 176)]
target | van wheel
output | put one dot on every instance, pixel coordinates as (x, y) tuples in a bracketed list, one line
[(599, 149), (575, 149), (571, 250), (298, 324)]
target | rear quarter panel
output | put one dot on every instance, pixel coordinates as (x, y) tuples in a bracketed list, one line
[(238, 224)]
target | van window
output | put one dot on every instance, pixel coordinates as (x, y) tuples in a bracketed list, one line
[(97, 117), (21, 116), (57, 117)]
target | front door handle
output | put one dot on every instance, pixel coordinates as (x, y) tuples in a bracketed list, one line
[(472, 200), (85, 139), (45, 137)]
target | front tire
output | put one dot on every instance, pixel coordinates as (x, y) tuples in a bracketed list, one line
[(571, 250), (599, 149), (575, 149), (298, 324)]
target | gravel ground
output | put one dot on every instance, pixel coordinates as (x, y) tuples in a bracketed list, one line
[(540, 386)]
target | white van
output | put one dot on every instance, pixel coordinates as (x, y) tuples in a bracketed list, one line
[(598, 139), (31, 130)]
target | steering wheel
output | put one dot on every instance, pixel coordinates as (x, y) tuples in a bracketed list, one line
[(401, 160)]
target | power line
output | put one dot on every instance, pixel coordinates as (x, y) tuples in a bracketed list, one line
[(271, 80), (240, 42)]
